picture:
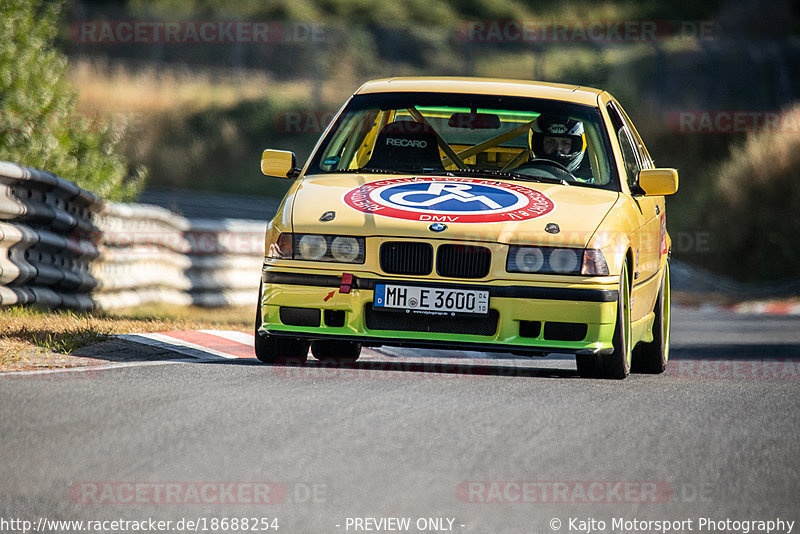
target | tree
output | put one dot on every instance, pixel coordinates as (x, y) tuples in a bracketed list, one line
[(39, 124)]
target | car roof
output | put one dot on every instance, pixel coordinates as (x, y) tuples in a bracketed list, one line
[(485, 86)]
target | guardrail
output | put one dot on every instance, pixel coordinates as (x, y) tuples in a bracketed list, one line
[(62, 246)]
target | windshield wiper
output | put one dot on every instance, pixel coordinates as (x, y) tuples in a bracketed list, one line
[(436, 172), (426, 172), (368, 169), (512, 175), (473, 172)]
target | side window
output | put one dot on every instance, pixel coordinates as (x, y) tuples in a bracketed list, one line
[(353, 130), (630, 154), (644, 157)]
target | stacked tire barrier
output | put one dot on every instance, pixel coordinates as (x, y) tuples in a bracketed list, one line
[(64, 247), (148, 254), (46, 239)]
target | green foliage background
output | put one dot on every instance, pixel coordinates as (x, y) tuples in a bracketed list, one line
[(39, 125), (756, 194), (728, 181)]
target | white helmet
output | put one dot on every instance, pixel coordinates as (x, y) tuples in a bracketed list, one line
[(550, 126)]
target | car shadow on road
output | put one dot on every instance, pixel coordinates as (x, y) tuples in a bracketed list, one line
[(122, 350), (373, 369), (685, 360)]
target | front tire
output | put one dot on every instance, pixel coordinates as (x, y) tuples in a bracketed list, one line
[(271, 349), (651, 358), (616, 365)]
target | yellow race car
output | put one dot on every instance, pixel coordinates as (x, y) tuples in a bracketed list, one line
[(478, 214)]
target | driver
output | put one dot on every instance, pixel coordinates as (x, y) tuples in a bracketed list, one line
[(563, 141)]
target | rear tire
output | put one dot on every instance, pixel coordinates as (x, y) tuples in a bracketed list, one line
[(271, 349), (651, 358), (331, 350), (616, 365)]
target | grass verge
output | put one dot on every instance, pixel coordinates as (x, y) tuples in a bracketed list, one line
[(33, 339)]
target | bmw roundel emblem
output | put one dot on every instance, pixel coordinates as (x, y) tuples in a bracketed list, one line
[(437, 227)]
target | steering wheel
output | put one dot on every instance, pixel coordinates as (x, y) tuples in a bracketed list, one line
[(542, 162)]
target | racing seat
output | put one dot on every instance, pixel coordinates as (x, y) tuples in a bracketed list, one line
[(406, 146)]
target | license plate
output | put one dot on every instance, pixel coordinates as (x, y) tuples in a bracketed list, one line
[(431, 299)]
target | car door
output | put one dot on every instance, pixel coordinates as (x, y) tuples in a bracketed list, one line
[(646, 238)]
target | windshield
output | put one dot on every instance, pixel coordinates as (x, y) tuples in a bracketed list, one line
[(466, 134)]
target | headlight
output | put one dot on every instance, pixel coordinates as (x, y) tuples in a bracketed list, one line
[(528, 260), (564, 260), (313, 247), (345, 249), (551, 260)]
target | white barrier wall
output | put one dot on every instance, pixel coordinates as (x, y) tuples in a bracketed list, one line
[(62, 246)]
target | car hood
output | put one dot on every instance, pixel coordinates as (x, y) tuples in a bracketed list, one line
[(544, 214)]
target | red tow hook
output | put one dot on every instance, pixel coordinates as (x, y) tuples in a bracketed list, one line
[(347, 283)]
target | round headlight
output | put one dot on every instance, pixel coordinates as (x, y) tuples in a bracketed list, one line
[(564, 260), (528, 260), (345, 249), (312, 247)]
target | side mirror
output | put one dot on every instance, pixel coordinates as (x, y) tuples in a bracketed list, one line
[(658, 182), (279, 163)]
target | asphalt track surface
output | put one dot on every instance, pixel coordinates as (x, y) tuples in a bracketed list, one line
[(495, 445)]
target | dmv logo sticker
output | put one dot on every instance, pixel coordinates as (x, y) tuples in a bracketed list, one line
[(445, 199)]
